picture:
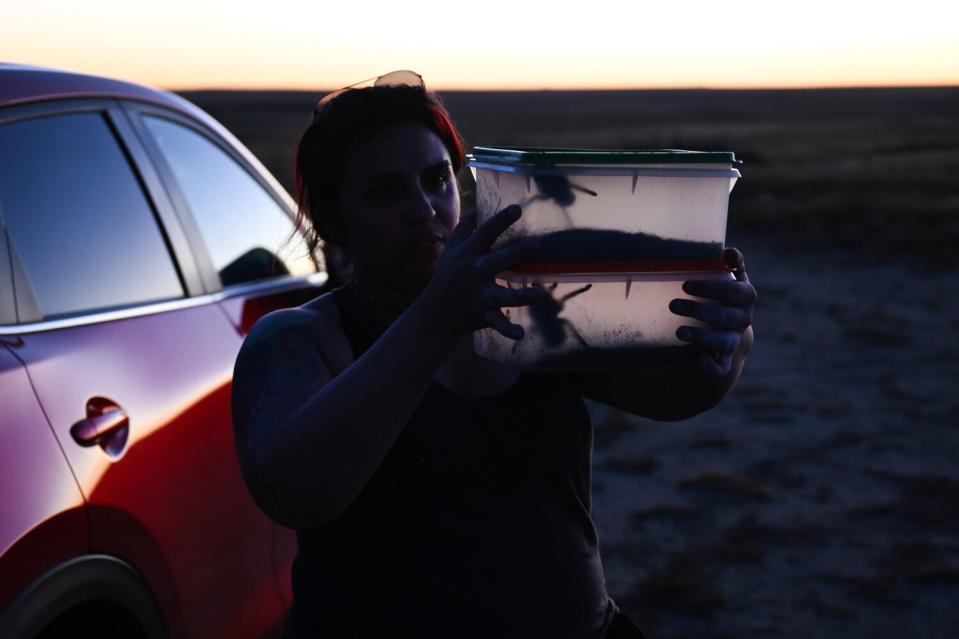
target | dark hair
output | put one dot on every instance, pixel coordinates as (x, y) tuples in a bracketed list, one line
[(344, 124)]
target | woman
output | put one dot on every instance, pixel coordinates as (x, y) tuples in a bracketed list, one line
[(434, 492)]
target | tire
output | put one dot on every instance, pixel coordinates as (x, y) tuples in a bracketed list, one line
[(94, 595)]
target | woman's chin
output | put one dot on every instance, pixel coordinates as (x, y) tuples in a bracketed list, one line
[(406, 282), (419, 271)]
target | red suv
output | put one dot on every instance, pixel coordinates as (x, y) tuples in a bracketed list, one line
[(139, 241)]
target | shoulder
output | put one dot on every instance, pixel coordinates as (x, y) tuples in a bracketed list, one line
[(279, 343), (313, 317), (285, 358), (284, 327), (313, 329)]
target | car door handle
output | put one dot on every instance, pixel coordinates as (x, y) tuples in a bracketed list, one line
[(93, 430)]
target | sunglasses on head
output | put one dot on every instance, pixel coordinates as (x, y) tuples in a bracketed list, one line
[(402, 77)]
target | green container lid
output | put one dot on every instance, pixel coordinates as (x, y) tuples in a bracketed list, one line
[(533, 156)]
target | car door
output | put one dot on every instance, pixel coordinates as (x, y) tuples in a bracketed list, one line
[(42, 518), (131, 359), (42, 514), (241, 225)]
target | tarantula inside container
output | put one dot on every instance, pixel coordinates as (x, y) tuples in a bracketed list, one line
[(559, 189), (552, 329)]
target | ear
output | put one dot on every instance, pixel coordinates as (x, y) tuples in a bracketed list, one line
[(339, 264)]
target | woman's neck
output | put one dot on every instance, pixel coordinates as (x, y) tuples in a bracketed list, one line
[(386, 302)]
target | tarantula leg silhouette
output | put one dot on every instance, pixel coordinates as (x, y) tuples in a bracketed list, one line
[(568, 324), (530, 200), (573, 294), (583, 189)]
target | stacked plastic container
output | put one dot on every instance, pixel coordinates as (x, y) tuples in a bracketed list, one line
[(619, 232)]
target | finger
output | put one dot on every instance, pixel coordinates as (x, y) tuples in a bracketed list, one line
[(733, 318), (715, 366), (464, 228), (725, 291), (488, 231), (501, 297), (501, 259), (716, 342), (498, 322), (735, 260)]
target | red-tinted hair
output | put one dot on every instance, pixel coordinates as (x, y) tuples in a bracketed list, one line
[(344, 124)]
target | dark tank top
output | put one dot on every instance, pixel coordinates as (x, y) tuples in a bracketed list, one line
[(477, 523)]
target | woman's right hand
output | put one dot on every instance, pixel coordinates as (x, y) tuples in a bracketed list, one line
[(463, 285)]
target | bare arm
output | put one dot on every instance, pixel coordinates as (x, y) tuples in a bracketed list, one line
[(308, 440)]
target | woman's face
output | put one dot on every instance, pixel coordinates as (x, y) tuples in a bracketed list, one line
[(399, 204)]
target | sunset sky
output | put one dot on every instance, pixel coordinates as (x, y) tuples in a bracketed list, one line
[(494, 44)]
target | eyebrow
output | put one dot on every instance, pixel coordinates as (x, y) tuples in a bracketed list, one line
[(442, 164)]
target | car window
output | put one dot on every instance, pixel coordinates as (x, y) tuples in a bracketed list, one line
[(248, 235), (78, 219)]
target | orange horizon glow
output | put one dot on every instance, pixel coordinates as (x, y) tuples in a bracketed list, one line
[(932, 84), (494, 45)]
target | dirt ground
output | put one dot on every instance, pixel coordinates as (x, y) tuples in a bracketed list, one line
[(821, 499)]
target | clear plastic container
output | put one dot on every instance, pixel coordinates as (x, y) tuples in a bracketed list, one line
[(600, 321), (591, 205)]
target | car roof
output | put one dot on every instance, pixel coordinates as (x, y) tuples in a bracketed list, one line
[(22, 84), (25, 84)]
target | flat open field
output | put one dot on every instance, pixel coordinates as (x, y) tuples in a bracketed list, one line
[(822, 498), (870, 170)]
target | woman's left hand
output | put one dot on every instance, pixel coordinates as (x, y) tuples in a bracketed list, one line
[(730, 315)]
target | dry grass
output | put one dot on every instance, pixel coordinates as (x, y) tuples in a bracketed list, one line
[(927, 501), (725, 483), (632, 464), (682, 585), (711, 441), (825, 608), (664, 511), (750, 531), (900, 573)]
